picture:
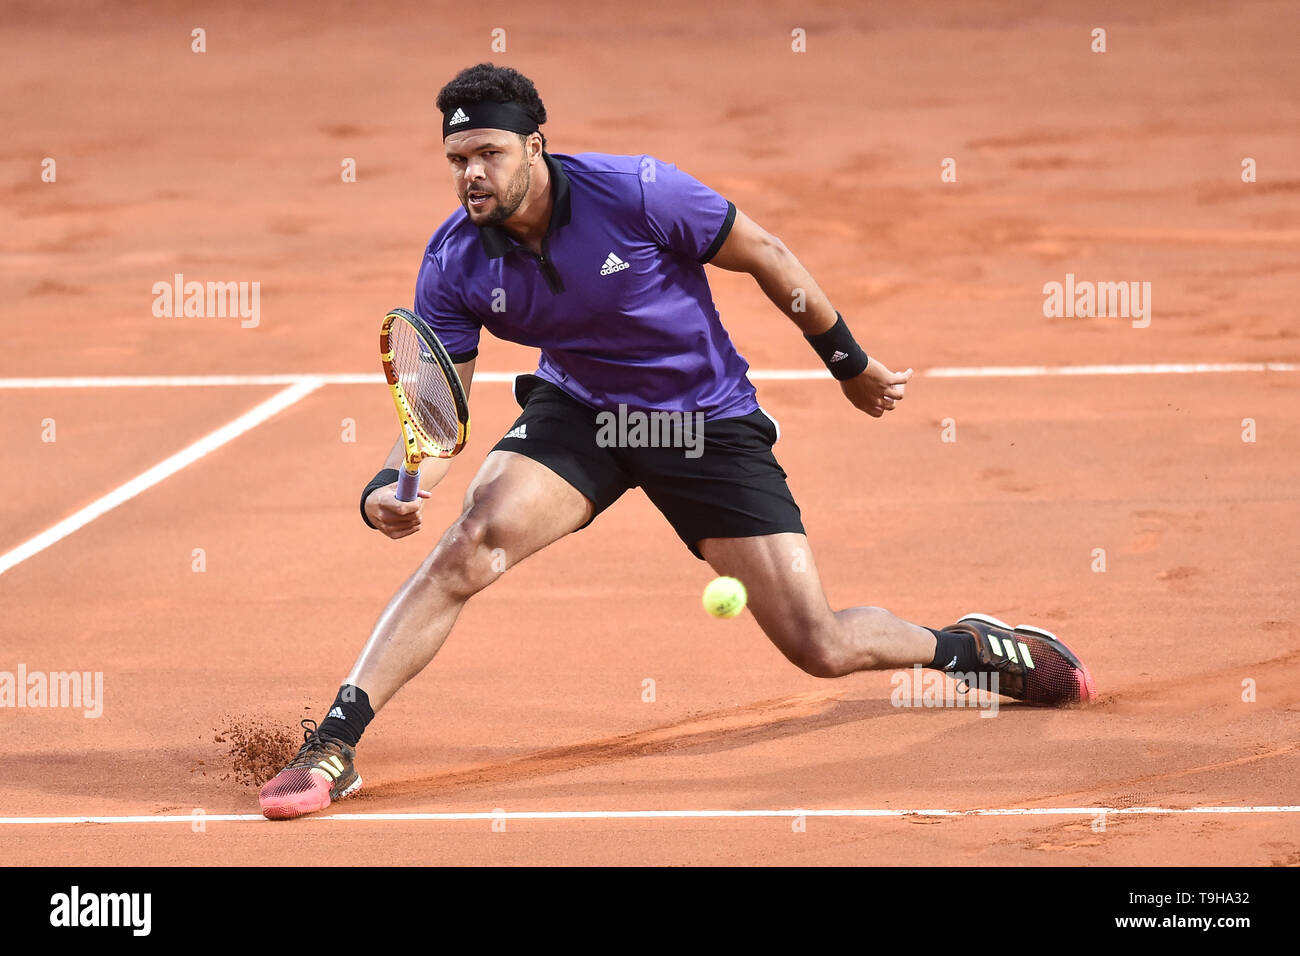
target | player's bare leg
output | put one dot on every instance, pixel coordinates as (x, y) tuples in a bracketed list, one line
[(513, 508), (787, 601)]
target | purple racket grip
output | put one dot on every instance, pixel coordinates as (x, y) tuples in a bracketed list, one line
[(408, 485)]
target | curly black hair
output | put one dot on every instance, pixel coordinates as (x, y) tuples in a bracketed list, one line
[(500, 84)]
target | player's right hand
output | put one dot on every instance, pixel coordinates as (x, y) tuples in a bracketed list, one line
[(394, 518)]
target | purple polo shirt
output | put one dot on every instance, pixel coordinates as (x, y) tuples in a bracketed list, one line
[(618, 301)]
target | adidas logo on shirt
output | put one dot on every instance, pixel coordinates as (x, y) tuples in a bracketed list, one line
[(839, 356), (519, 431), (613, 264), (458, 117), (337, 712)]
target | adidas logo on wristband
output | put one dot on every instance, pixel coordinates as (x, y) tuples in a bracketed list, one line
[(839, 357)]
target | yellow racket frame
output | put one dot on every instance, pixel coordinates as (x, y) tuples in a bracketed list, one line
[(419, 444)]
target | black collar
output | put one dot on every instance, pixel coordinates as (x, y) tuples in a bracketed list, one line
[(497, 242)]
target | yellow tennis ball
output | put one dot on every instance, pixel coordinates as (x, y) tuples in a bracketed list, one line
[(725, 597)]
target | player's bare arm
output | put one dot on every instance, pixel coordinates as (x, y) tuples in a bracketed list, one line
[(792, 289), (395, 518)]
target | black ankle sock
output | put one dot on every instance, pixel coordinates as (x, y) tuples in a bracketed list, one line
[(953, 651), (348, 715)]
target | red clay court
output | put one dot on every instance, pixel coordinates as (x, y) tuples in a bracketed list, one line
[(224, 589)]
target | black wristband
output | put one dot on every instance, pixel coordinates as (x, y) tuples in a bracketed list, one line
[(385, 477), (837, 349)]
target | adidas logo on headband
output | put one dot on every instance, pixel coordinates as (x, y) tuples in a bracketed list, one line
[(489, 115)]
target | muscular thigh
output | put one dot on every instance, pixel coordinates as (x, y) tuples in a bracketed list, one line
[(785, 590), (520, 505)]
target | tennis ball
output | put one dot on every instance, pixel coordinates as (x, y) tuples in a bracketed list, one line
[(725, 597)]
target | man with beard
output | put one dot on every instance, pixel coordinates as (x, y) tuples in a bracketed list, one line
[(598, 261)]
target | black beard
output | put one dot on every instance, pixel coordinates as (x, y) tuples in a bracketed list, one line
[(510, 205)]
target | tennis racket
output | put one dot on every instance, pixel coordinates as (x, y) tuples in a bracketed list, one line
[(430, 399)]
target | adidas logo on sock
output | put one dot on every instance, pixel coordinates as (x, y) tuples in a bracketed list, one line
[(458, 117), (519, 431), (839, 356), (337, 712), (613, 264)]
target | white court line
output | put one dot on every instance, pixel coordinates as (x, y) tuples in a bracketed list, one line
[(300, 385), (165, 381), (1169, 368), (758, 375), (164, 469), (655, 814)]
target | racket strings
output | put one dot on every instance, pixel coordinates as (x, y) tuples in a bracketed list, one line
[(428, 393)]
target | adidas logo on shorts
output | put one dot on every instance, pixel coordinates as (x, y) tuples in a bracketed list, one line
[(613, 264), (519, 431)]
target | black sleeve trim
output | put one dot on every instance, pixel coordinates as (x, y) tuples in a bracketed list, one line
[(459, 358), (723, 232)]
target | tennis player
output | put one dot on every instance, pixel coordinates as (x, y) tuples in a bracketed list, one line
[(598, 261)]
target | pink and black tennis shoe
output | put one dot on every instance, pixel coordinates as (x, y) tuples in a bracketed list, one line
[(1031, 664), (321, 773)]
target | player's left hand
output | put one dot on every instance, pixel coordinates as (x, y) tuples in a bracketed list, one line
[(876, 389)]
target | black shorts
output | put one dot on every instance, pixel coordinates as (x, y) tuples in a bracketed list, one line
[(725, 482)]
